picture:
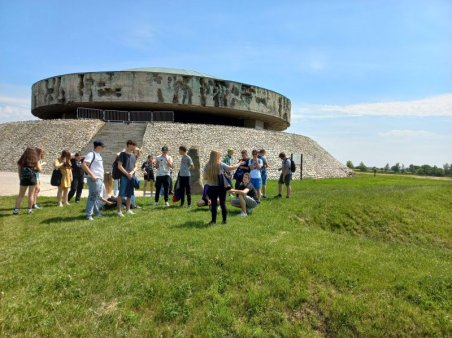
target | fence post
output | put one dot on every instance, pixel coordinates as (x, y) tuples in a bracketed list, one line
[(301, 167)]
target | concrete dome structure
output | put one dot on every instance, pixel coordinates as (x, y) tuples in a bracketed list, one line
[(193, 97)]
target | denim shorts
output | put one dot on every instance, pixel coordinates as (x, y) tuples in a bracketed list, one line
[(264, 177), (125, 187), (256, 182)]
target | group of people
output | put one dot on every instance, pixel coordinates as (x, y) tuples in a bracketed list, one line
[(249, 173)]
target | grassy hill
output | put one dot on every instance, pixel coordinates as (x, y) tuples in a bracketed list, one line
[(344, 257)]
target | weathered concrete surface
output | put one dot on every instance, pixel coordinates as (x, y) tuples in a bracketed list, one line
[(59, 96), (195, 178)]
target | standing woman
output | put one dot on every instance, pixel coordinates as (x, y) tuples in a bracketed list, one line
[(40, 154), (28, 165), (148, 174), (211, 174), (78, 178), (63, 163)]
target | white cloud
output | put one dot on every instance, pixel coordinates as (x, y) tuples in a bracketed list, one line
[(140, 36), (433, 106), (407, 133), (313, 62), (15, 103)]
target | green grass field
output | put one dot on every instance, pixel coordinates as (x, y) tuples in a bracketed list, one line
[(362, 256)]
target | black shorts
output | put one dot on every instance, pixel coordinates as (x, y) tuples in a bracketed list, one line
[(287, 180), (28, 177), (28, 182), (149, 177)]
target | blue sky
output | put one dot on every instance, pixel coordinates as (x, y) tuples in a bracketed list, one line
[(369, 80)]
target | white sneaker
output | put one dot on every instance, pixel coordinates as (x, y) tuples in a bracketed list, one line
[(120, 214), (60, 204), (29, 211), (156, 204), (243, 214), (167, 204), (16, 212), (35, 206), (130, 212), (90, 218)]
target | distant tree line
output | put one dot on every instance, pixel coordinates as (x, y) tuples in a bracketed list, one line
[(422, 170)]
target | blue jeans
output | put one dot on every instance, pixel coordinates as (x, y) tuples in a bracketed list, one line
[(93, 202)]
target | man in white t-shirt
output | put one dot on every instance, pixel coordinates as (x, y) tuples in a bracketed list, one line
[(164, 164), (255, 164), (94, 168)]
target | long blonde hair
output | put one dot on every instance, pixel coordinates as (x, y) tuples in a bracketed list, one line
[(213, 166), (108, 181)]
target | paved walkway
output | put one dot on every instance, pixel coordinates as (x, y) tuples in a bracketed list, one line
[(9, 183)]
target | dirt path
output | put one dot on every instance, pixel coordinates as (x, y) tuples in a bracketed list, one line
[(9, 183)]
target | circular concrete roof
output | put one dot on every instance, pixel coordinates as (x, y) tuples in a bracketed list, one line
[(176, 71), (193, 96)]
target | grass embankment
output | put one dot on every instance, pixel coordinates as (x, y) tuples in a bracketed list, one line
[(363, 256)]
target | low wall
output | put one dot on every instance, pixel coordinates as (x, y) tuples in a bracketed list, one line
[(51, 135), (317, 162), (55, 135)]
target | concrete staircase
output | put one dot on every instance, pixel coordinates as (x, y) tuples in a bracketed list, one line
[(115, 136)]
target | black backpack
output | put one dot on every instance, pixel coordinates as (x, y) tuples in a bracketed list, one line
[(115, 172), (293, 167), (55, 179)]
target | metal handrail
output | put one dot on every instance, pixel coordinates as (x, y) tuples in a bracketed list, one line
[(128, 116)]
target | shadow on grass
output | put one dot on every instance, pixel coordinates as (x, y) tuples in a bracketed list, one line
[(63, 219), (193, 224), (197, 209), (48, 204)]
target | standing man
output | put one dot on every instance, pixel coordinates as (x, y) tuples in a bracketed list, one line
[(263, 157), (93, 166), (126, 165), (255, 165), (228, 160), (77, 178), (164, 164), (286, 175), (186, 164)]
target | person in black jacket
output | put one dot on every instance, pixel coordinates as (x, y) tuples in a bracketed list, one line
[(243, 168), (78, 178)]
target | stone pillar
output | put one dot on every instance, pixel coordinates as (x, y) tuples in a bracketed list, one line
[(195, 179), (255, 124)]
